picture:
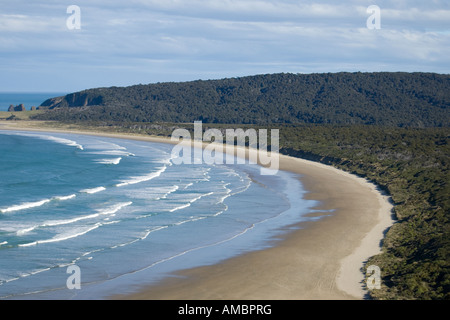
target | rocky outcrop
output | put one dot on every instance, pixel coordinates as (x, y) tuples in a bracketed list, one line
[(78, 99), (19, 107)]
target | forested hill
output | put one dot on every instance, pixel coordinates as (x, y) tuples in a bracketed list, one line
[(384, 98)]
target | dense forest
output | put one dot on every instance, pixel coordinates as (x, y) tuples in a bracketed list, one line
[(394, 99), (392, 128)]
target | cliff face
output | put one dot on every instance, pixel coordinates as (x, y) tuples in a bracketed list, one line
[(52, 102), (77, 99)]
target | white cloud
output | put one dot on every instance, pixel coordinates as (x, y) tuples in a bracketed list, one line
[(180, 40), (10, 23)]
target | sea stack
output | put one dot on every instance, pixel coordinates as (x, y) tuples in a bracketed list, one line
[(19, 107)]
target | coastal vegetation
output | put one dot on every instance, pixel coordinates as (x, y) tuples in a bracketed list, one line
[(19, 115), (412, 166), (392, 128), (387, 99)]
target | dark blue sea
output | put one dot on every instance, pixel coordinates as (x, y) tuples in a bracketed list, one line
[(28, 99)]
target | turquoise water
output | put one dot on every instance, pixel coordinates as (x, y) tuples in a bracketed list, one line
[(122, 212), (28, 99)]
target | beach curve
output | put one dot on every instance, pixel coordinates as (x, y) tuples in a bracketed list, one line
[(319, 260)]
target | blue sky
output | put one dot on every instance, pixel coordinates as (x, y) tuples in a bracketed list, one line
[(123, 43)]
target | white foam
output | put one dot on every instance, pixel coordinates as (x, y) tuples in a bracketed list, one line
[(172, 190), (200, 196), (26, 205), (167, 161), (67, 236), (227, 194), (24, 275), (190, 202), (114, 153), (63, 198), (146, 234), (223, 198), (180, 207), (53, 223), (29, 205), (147, 177), (93, 190), (188, 185), (74, 233), (66, 142), (220, 212), (114, 209), (152, 230), (189, 220), (3, 243), (26, 230), (109, 161), (115, 146), (63, 141)]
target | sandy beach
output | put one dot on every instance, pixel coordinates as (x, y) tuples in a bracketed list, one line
[(315, 260)]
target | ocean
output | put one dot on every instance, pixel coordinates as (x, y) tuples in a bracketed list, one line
[(28, 99), (125, 214)]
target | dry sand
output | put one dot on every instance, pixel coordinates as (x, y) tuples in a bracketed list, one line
[(318, 260)]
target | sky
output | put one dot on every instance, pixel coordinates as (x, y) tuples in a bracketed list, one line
[(122, 43)]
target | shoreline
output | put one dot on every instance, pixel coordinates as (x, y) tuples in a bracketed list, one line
[(318, 260)]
